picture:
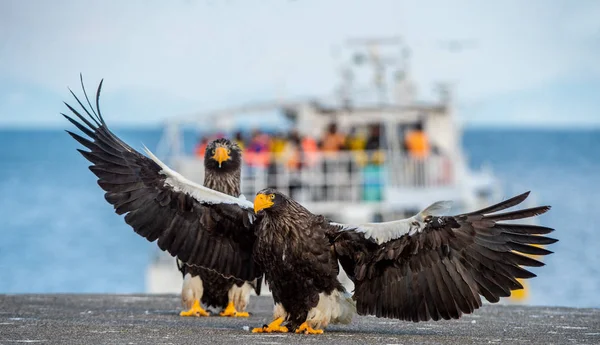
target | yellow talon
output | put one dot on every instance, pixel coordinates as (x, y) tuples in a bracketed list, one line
[(196, 310), (230, 311), (273, 327), (306, 329)]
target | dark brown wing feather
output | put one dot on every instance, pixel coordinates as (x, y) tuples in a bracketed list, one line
[(441, 272), (212, 235)]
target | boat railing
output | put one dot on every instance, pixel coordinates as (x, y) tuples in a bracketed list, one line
[(340, 177)]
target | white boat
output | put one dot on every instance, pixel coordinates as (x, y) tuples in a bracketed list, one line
[(350, 190)]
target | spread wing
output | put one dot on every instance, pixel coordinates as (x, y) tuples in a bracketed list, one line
[(429, 267), (196, 224)]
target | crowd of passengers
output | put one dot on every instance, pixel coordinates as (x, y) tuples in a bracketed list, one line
[(296, 151)]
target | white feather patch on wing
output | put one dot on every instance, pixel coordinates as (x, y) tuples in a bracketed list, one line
[(387, 231), (198, 192)]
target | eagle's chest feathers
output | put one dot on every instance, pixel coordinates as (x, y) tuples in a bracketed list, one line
[(281, 244), (224, 182)]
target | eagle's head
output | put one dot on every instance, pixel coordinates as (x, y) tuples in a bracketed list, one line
[(269, 201), (222, 155)]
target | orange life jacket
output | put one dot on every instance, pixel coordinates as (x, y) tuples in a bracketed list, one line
[(417, 144), (200, 149)]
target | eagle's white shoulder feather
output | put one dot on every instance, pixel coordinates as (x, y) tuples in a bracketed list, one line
[(197, 191), (387, 231)]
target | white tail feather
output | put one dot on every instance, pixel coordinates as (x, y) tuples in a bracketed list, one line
[(339, 307)]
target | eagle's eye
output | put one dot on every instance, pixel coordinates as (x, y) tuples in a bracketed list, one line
[(228, 151), (272, 196), (212, 152)]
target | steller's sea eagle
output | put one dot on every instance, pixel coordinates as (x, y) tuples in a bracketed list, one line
[(420, 268), (222, 172)]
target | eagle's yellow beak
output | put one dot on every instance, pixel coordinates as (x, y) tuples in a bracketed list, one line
[(262, 201), (221, 155)]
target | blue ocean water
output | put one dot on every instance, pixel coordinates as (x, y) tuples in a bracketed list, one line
[(59, 235)]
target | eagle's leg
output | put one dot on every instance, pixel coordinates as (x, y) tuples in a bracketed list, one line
[(195, 310), (238, 297), (231, 311), (273, 327), (306, 329)]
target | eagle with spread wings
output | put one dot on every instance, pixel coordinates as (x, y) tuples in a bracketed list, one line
[(426, 267)]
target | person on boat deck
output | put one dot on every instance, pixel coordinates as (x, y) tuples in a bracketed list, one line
[(418, 148), (292, 153), (333, 141), (373, 145), (310, 148), (375, 148), (257, 152), (294, 157), (417, 142), (239, 139), (277, 146), (201, 146), (356, 141)]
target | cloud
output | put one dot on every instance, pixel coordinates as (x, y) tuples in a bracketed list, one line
[(185, 56)]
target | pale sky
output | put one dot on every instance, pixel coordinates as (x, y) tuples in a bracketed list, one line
[(533, 62)]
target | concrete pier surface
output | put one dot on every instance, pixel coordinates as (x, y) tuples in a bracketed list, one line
[(154, 319)]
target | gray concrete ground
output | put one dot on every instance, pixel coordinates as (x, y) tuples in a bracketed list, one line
[(153, 319)]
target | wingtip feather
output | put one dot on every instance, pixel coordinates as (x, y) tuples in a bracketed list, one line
[(98, 101), (508, 203)]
